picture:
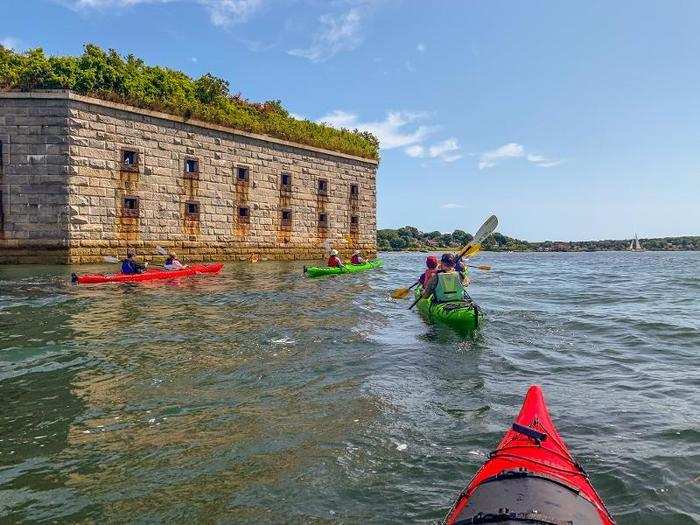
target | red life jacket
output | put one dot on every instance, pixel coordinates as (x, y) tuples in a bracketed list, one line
[(334, 261)]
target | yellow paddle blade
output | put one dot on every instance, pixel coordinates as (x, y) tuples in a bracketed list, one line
[(400, 293), (484, 267), (472, 251)]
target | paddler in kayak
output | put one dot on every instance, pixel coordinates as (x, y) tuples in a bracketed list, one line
[(431, 263), (334, 260), (357, 258), (131, 266), (446, 285), (172, 263)]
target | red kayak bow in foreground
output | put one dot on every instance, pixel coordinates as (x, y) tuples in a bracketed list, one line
[(149, 275), (531, 477)]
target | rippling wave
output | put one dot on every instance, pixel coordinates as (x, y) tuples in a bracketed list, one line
[(259, 395)]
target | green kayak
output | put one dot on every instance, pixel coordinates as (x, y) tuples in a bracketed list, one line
[(461, 315), (318, 271)]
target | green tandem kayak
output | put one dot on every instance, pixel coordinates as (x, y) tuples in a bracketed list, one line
[(318, 271), (460, 315)]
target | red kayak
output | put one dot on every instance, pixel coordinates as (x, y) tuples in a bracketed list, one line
[(530, 478), (148, 275)]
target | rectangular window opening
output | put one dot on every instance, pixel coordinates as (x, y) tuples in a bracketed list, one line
[(354, 190), (242, 174), (191, 168), (354, 222), (286, 218), (323, 220), (322, 187), (286, 181), (192, 209), (243, 214), (130, 206), (130, 159)]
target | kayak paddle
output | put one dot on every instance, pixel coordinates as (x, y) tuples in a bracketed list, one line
[(402, 293)]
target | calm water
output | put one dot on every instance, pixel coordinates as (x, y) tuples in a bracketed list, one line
[(263, 396)]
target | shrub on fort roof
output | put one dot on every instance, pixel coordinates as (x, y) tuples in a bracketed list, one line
[(108, 75)]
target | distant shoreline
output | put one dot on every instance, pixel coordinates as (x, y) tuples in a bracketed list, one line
[(409, 238)]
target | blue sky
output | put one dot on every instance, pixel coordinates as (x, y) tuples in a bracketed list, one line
[(569, 120)]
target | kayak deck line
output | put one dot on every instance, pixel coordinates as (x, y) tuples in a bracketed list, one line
[(460, 315)]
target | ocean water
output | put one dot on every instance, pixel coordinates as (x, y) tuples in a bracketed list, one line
[(262, 396)]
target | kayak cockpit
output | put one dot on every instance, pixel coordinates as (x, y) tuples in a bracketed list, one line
[(523, 497)]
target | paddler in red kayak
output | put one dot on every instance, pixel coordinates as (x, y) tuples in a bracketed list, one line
[(131, 266), (172, 263), (334, 260)]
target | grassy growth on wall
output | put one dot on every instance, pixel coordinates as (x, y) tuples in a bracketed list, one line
[(109, 76)]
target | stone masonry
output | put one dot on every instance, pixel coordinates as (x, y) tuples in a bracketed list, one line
[(82, 178)]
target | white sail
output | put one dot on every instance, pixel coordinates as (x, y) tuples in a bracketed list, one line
[(631, 246)]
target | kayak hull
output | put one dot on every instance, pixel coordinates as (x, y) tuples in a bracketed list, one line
[(149, 275), (530, 477), (320, 271), (462, 316)]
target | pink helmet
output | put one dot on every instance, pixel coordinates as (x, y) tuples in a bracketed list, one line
[(431, 261)]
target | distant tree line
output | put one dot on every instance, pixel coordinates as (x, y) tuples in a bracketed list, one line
[(409, 238)]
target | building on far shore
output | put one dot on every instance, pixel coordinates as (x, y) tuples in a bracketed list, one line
[(82, 178)]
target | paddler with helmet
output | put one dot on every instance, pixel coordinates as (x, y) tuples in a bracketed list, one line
[(334, 261)]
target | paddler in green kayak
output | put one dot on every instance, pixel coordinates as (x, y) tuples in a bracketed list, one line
[(334, 260), (446, 285)]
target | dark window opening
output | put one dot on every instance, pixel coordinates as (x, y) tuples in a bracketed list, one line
[(286, 181), (322, 187), (354, 222), (191, 168), (354, 190), (131, 207), (243, 214), (242, 174), (130, 159), (192, 210), (286, 218), (323, 220)]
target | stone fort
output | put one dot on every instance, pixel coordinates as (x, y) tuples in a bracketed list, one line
[(83, 178)]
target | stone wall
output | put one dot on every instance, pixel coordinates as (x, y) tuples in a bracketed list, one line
[(34, 173), (90, 189)]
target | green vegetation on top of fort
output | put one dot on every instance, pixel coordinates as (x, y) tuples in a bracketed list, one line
[(109, 76), (409, 238)]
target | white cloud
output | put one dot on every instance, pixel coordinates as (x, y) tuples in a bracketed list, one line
[(452, 206), (221, 12), (421, 47), (514, 150), (338, 33), (10, 43), (398, 129), (409, 66), (445, 150), (543, 162), (415, 151), (490, 158)]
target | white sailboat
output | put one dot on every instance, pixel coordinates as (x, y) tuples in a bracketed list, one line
[(634, 245)]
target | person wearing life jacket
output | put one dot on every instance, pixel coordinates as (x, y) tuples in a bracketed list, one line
[(431, 263), (446, 285), (131, 266), (356, 258), (172, 263), (334, 260)]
